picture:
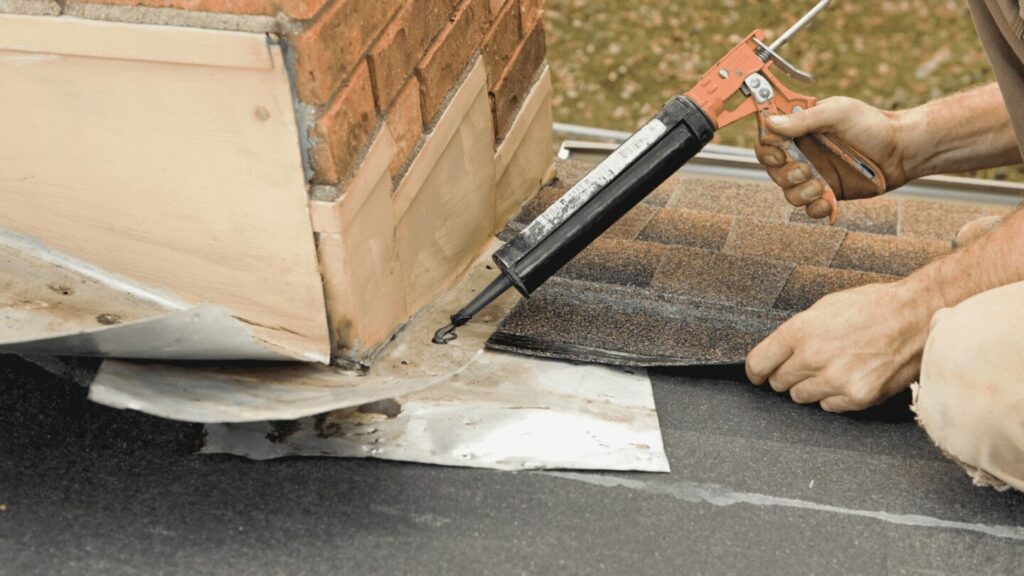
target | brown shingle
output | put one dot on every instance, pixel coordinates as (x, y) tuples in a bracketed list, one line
[(629, 226), (703, 286), (577, 320), (878, 215), (688, 228), (808, 284), (887, 254), (938, 220), (616, 262), (721, 278), (796, 243), (753, 200)]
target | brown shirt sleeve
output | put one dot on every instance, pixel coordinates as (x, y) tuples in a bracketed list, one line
[(1000, 25)]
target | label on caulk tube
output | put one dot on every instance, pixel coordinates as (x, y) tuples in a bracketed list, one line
[(583, 191)]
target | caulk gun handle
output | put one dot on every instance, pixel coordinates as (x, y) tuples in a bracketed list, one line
[(862, 164)]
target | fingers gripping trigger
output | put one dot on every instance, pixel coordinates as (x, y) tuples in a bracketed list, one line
[(794, 154)]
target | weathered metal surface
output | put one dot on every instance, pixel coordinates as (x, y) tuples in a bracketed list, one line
[(242, 393), (498, 411), (53, 304)]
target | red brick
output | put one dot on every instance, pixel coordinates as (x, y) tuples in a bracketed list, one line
[(500, 43), (529, 11), (250, 7), (344, 129), (301, 9), (327, 50), (441, 68), (406, 124), (509, 92), (403, 43)]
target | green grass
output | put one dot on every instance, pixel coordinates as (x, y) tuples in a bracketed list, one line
[(616, 62)]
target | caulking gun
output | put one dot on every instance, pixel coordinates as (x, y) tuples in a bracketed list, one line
[(676, 134)]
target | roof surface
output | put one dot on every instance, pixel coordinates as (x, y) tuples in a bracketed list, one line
[(759, 486), (704, 269)]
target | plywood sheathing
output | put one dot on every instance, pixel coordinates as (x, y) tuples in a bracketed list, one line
[(71, 37), (524, 156), (184, 176), (710, 276), (445, 205), (356, 243)]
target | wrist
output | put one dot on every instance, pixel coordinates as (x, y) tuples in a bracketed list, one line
[(925, 292), (914, 151)]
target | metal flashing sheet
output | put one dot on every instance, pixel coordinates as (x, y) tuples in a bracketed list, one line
[(495, 410)]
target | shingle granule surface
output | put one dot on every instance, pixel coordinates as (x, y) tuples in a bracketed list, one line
[(702, 279)]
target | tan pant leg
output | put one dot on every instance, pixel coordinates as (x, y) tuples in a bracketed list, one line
[(970, 397)]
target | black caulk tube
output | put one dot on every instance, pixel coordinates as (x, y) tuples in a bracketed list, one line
[(593, 205)]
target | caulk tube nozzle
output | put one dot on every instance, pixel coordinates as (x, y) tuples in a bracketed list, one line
[(496, 288)]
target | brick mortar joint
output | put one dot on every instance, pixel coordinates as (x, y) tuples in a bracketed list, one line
[(279, 22)]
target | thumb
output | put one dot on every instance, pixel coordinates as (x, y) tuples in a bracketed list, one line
[(821, 118)]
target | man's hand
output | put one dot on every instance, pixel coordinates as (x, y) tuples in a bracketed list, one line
[(872, 132), (849, 351)]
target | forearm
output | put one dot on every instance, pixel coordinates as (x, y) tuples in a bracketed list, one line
[(994, 260), (959, 133)]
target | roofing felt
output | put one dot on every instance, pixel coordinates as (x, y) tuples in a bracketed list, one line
[(704, 269)]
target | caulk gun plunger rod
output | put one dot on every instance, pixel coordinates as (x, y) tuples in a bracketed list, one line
[(804, 21)]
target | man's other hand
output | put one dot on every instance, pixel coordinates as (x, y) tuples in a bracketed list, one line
[(874, 133), (849, 351)]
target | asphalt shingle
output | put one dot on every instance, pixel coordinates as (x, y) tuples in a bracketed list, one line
[(703, 279)]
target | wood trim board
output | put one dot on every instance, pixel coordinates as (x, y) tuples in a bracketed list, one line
[(183, 177), (67, 36)]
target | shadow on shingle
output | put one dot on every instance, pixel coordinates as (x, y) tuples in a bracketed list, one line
[(752, 200), (721, 278), (688, 228), (571, 319), (784, 242), (887, 254), (808, 284), (878, 215)]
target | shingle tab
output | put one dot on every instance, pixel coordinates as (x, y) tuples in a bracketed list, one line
[(721, 278), (937, 220), (879, 215), (596, 322), (619, 262), (808, 284), (688, 228), (753, 200), (784, 242), (887, 254)]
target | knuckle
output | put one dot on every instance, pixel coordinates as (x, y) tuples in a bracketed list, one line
[(861, 397)]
